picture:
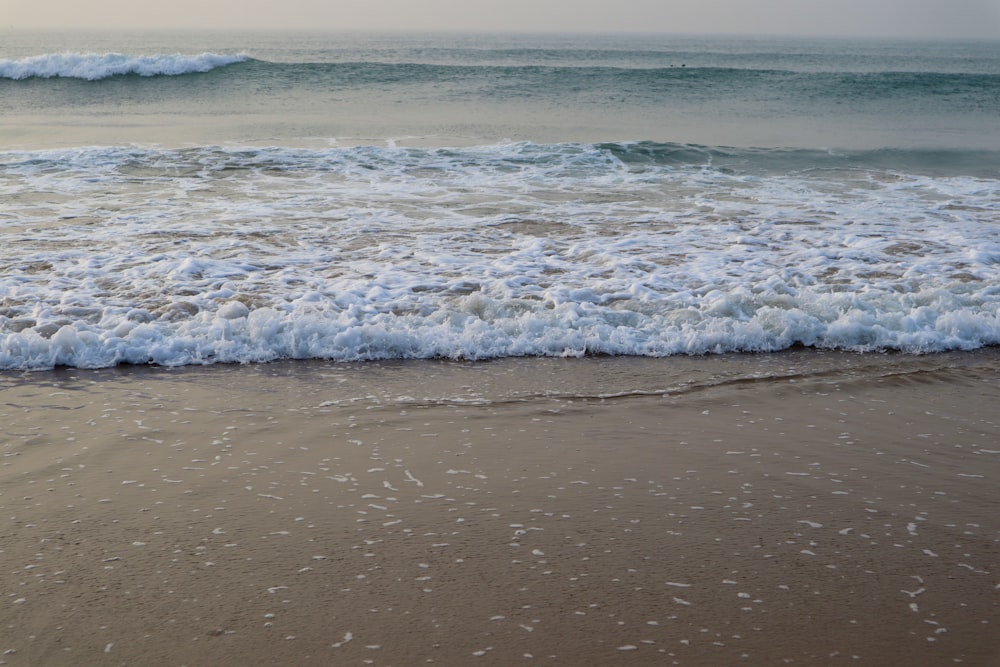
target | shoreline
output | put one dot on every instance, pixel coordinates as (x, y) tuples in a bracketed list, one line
[(819, 508)]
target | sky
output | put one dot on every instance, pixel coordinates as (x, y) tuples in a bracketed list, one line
[(862, 18)]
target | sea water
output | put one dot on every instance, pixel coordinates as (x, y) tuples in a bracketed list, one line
[(197, 198)]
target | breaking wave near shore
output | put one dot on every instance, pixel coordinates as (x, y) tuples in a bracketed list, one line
[(211, 254)]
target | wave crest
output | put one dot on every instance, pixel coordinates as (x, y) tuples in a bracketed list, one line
[(92, 66)]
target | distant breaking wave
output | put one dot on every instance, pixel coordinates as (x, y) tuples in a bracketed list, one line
[(92, 67)]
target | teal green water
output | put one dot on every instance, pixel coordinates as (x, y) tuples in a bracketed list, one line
[(474, 89)]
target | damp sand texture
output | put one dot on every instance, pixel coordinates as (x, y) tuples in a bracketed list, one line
[(439, 512)]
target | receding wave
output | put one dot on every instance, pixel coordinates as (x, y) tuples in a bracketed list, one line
[(93, 67)]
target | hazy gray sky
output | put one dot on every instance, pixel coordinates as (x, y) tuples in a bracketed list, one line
[(903, 18)]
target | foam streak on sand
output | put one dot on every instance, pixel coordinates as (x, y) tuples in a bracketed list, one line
[(270, 530)]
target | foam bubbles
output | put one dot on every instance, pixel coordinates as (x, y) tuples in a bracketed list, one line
[(202, 255)]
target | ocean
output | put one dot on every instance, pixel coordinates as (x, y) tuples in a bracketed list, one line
[(193, 198)]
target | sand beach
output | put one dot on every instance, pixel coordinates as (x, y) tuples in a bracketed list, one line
[(798, 508)]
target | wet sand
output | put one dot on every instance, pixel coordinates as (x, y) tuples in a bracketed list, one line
[(803, 508)]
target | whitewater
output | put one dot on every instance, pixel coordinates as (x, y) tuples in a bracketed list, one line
[(390, 200), (517, 249), (93, 66)]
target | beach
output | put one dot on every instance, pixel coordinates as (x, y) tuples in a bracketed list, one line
[(796, 508), (348, 348)]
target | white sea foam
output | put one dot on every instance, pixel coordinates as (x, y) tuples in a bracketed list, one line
[(91, 66), (204, 255)]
